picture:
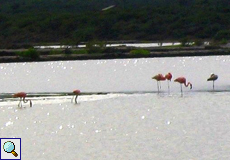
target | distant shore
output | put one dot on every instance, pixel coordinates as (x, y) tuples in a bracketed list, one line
[(8, 55)]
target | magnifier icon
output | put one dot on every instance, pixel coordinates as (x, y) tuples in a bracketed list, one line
[(9, 147)]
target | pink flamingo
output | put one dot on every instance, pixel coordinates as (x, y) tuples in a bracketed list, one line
[(168, 76), (22, 96), (213, 78), (76, 93), (158, 78), (182, 80)]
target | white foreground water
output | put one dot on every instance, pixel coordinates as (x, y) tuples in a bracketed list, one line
[(122, 126), (142, 125)]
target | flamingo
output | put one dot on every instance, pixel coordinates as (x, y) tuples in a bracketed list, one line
[(22, 96), (158, 78), (182, 80), (213, 78), (168, 76), (76, 93)]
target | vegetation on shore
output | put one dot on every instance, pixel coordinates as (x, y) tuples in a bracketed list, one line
[(25, 22)]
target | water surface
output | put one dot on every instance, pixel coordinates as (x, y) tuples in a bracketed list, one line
[(132, 121), (118, 75), (122, 126)]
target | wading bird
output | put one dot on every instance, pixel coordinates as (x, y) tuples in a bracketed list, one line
[(182, 80), (158, 78), (168, 77), (212, 78), (22, 96), (76, 93)]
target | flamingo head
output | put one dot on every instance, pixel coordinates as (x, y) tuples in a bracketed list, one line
[(168, 76), (190, 85), (155, 77)]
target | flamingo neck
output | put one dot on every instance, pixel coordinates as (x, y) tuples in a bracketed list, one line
[(24, 100), (188, 84)]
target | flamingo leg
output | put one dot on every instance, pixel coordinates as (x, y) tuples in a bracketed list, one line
[(158, 86), (25, 101), (213, 85), (168, 87), (31, 103), (181, 89), (20, 103), (76, 99)]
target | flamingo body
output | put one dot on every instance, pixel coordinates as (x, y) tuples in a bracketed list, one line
[(20, 95), (76, 91), (159, 77), (180, 80), (213, 77)]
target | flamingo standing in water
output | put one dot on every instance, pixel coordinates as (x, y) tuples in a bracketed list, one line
[(158, 78), (76, 93), (168, 76), (213, 78), (22, 96), (182, 80)]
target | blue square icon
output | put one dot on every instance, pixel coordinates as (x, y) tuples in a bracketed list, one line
[(10, 148)]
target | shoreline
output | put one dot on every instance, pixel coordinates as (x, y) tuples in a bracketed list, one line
[(8, 55)]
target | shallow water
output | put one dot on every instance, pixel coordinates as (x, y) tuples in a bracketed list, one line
[(136, 123), (122, 126), (119, 75)]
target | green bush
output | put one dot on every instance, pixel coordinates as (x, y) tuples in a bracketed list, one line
[(140, 52), (223, 41), (30, 53)]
